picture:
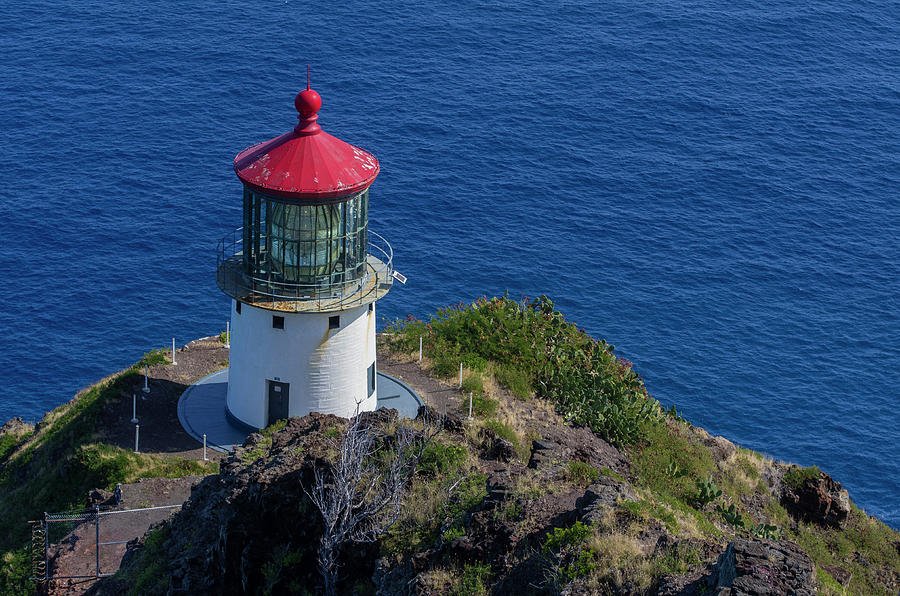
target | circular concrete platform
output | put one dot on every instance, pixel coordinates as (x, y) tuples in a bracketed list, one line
[(201, 409)]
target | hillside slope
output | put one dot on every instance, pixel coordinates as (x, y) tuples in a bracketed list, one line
[(569, 478)]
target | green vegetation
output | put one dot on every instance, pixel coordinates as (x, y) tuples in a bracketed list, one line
[(152, 577), (153, 358), (439, 459), (532, 348), (707, 492), (439, 501), (731, 516), (8, 442), (473, 383), (580, 472), (866, 547), (610, 473), (795, 476), (482, 405), (566, 546), (53, 467), (473, 581), (678, 471), (103, 466)]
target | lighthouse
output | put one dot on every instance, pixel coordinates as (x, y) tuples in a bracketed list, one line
[(303, 274)]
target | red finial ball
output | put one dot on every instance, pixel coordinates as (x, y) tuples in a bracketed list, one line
[(307, 102)]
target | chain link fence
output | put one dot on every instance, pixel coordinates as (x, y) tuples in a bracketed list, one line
[(87, 544)]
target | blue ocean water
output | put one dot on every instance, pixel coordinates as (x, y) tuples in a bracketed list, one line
[(710, 187)]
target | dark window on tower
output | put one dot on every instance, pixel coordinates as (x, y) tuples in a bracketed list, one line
[(237, 306), (277, 322), (371, 379), (334, 322)]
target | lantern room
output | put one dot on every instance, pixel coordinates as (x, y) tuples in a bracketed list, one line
[(303, 272)]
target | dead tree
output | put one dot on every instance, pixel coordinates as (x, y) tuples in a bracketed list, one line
[(359, 494)]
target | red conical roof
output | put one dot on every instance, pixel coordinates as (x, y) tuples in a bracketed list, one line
[(306, 163)]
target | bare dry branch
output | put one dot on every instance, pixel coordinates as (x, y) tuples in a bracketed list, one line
[(360, 494)]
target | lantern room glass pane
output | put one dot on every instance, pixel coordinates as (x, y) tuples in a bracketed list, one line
[(312, 246)]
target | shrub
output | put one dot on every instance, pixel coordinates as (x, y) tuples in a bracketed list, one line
[(439, 459), (473, 582), (474, 362), (580, 472), (562, 538), (566, 547), (152, 358)]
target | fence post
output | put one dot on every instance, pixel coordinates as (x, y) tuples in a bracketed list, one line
[(46, 548), (97, 536)]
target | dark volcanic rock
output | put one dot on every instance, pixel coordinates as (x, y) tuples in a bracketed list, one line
[(493, 446), (14, 426), (821, 500), (764, 568), (840, 575), (240, 523), (449, 421), (545, 454), (602, 495)]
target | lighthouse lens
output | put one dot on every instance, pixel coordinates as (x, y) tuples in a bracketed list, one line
[(305, 241), (314, 246)]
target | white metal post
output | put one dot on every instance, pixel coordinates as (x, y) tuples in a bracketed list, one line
[(204, 447), (134, 418), (227, 335), (420, 349), (470, 405), (137, 432), (146, 378), (460, 375), (173, 351)]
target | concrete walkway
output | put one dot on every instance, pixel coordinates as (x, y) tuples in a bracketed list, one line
[(201, 408)]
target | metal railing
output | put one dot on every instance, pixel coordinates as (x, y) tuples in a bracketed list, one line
[(265, 292)]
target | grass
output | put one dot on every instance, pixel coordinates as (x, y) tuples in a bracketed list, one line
[(866, 547), (579, 472), (104, 466), (795, 476), (430, 503), (482, 405)]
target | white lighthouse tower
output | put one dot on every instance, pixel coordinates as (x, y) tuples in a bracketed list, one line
[(303, 273)]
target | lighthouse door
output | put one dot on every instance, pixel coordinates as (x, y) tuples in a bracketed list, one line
[(278, 401)]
